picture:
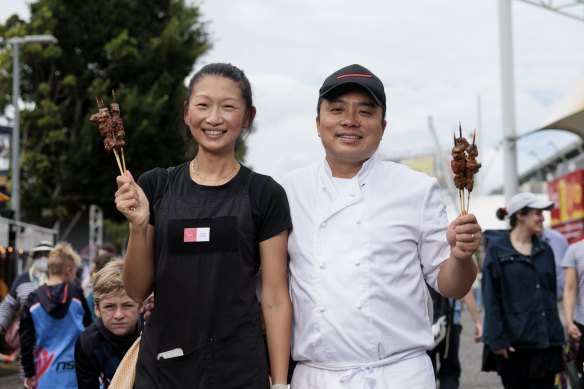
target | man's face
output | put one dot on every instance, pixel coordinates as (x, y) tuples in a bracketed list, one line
[(119, 314), (350, 127)]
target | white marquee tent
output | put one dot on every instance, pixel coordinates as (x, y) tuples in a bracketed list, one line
[(569, 113)]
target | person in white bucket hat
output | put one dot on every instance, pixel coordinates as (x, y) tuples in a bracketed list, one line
[(25, 283)]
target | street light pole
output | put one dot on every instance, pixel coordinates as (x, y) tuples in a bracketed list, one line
[(15, 152)]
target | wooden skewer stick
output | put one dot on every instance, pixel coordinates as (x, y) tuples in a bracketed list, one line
[(123, 160), (121, 149), (118, 161), (461, 197)]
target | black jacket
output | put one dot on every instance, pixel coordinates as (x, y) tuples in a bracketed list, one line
[(98, 353), (519, 294)]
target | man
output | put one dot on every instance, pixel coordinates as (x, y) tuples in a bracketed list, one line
[(367, 234)]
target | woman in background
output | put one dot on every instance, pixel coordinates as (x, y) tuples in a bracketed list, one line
[(522, 326)]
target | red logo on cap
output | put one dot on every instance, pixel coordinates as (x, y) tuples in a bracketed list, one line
[(354, 75)]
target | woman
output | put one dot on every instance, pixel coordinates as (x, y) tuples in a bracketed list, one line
[(198, 234), (522, 326)]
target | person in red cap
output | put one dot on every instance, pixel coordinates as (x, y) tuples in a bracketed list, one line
[(523, 334), (367, 235)]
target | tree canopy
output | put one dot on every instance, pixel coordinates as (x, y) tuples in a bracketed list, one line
[(142, 50)]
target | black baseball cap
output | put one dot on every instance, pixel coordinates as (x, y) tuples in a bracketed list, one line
[(357, 75)]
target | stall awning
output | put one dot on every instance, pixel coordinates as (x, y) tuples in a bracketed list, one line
[(569, 113)]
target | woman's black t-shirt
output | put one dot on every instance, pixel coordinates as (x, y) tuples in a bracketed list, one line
[(269, 204)]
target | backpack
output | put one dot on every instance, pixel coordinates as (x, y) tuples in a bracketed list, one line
[(442, 320)]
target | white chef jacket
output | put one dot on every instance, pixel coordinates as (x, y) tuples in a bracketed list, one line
[(358, 262)]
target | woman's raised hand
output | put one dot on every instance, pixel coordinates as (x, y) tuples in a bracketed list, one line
[(131, 201)]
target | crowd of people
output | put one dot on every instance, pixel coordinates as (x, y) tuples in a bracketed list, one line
[(352, 267)]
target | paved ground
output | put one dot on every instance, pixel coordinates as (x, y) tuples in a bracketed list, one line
[(10, 382), (470, 355)]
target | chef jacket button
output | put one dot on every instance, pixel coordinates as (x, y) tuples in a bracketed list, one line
[(321, 309), (358, 221), (537, 285), (357, 264), (543, 313), (359, 306), (323, 187), (352, 195), (321, 265), (323, 225)]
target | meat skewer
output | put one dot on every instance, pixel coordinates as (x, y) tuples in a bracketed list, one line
[(472, 167), (106, 129), (458, 166), (118, 129), (464, 166)]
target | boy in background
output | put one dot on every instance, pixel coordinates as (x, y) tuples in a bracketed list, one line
[(54, 316), (101, 347)]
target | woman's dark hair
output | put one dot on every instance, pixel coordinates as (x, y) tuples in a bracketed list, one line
[(502, 212), (103, 260), (225, 70), (108, 248)]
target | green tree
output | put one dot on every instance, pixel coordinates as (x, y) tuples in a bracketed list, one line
[(143, 50)]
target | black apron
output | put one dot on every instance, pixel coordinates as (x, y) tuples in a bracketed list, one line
[(204, 331)]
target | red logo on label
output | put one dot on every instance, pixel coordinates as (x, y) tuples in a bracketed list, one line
[(196, 234), (190, 235)]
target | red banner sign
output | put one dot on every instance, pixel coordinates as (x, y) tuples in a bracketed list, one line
[(567, 194)]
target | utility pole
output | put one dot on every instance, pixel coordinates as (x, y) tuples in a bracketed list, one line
[(510, 184)]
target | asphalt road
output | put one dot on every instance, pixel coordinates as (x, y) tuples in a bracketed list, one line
[(470, 355), (10, 382)]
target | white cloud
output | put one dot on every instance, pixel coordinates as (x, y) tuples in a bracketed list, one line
[(434, 57)]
